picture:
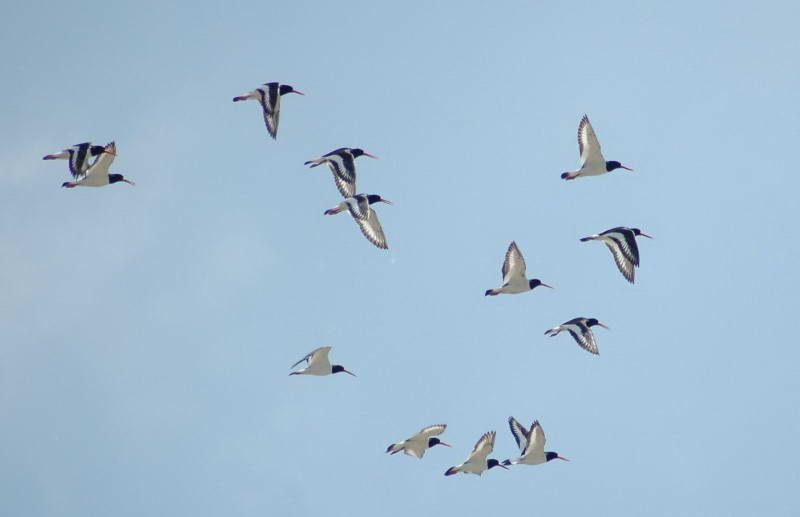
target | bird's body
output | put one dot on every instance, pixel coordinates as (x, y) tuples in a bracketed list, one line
[(478, 461), (580, 330), (269, 96), (79, 156), (622, 243), (420, 442), (97, 174), (343, 166), (531, 444), (364, 216), (513, 272), (318, 364), (592, 161)]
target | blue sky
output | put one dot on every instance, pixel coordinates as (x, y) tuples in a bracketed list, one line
[(147, 331)]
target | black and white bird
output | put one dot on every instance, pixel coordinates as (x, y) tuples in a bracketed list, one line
[(478, 460), (580, 329), (513, 271), (531, 444), (364, 216), (420, 442), (343, 166), (592, 161), (622, 243), (79, 156), (269, 95), (97, 174), (318, 364)]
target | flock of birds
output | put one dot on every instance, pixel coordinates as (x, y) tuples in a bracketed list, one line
[(89, 165)]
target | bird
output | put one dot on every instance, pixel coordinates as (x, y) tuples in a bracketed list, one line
[(581, 331), (622, 243), (79, 157), (531, 449), (97, 175), (364, 216), (343, 166), (269, 95), (592, 161), (318, 364), (477, 462), (420, 442), (513, 272)]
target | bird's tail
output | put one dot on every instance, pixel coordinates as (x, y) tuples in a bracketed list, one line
[(451, 471), (570, 175), (314, 163), (335, 210), (241, 98), (552, 332), (492, 292), (589, 238), (394, 448)]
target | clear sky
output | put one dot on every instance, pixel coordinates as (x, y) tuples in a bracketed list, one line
[(146, 332)]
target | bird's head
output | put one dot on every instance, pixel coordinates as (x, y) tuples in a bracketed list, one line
[(337, 368), (491, 463), (637, 231), (285, 88), (536, 283), (98, 149), (115, 178), (375, 198), (554, 456), (435, 441), (610, 166), (591, 322), (358, 152)]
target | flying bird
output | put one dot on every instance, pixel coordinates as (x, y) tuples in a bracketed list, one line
[(592, 161), (513, 272), (79, 157), (343, 166), (318, 364), (580, 330), (477, 462), (622, 243), (97, 175), (364, 216), (269, 95), (420, 442), (531, 444)]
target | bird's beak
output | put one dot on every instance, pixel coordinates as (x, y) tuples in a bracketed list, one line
[(603, 325), (626, 168), (298, 93), (129, 182), (561, 458), (351, 373), (645, 235), (445, 444), (545, 285), (386, 201), (501, 465), (371, 155)]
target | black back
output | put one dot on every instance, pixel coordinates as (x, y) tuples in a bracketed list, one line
[(610, 166)]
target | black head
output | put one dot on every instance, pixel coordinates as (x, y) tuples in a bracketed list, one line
[(435, 441), (550, 455), (591, 322), (115, 178), (356, 152), (96, 149), (637, 231), (610, 166), (491, 463), (337, 368), (375, 198), (536, 283), (285, 88)]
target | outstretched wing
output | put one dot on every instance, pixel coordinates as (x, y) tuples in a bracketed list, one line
[(320, 353), (432, 430), (584, 337), (588, 144), (270, 104), (370, 227), (343, 168), (483, 448), (520, 433), (514, 264), (536, 443)]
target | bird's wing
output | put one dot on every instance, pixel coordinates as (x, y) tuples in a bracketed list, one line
[(514, 264), (371, 228), (584, 337), (432, 430), (624, 263), (483, 448), (314, 356), (343, 168), (79, 159), (520, 433), (588, 144), (536, 444), (270, 104), (626, 240), (103, 162)]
